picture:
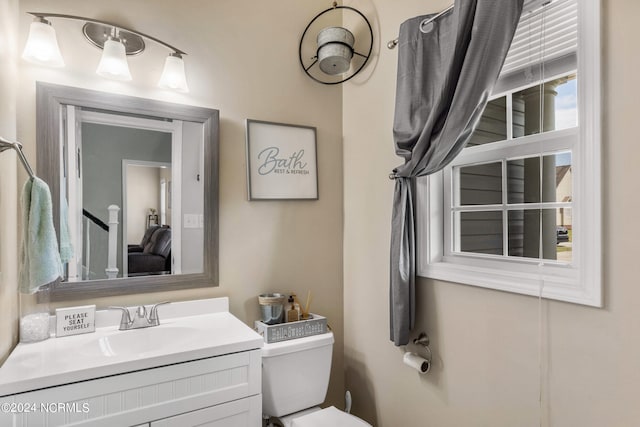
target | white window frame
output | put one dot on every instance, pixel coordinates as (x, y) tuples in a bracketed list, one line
[(578, 282)]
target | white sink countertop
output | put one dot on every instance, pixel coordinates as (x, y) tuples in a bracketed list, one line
[(188, 331)]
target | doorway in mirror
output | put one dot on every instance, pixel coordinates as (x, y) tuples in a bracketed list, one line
[(127, 165)]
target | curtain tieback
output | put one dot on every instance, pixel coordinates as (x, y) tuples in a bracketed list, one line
[(393, 176)]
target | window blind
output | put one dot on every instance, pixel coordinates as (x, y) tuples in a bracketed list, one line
[(545, 44)]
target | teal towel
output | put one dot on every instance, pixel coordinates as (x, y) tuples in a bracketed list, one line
[(40, 262), (66, 249)]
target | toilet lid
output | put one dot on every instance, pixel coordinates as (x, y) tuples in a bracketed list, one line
[(329, 417)]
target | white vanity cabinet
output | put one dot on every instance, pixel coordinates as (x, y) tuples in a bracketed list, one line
[(218, 391), (232, 414), (200, 367)]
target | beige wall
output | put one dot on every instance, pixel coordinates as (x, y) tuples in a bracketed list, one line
[(8, 186), (485, 343), (243, 60), (143, 192)]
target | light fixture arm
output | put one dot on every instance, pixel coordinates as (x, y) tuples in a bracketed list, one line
[(42, 15)]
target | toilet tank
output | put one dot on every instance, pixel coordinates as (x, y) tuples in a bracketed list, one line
[(295, 374)]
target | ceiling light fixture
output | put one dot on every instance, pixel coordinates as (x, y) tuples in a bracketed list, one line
[(117, 43), (336, 54)]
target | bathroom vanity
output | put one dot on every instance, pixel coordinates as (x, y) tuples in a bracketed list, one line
[(201, 365)]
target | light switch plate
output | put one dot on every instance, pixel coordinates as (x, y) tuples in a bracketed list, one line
[(75, 320), (190, 221)]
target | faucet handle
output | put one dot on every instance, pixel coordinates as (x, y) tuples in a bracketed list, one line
[(142, 311), (125, 321), (153, 314)]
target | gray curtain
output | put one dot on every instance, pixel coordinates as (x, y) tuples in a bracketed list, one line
[(445, 76)]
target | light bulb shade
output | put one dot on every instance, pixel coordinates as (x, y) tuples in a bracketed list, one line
[(42, 46), (173, 76), (113, 64), (335, 50)]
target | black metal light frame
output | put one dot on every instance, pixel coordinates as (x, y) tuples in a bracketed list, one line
[(315, 58)]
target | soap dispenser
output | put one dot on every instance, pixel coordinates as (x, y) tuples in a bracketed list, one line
[(292, 313)]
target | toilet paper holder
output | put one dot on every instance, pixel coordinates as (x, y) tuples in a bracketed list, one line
[(416, 361), (423, 340)]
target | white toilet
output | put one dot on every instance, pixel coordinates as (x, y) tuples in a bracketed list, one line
[(295, 377)]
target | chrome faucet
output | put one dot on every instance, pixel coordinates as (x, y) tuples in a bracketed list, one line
[(140, 319)]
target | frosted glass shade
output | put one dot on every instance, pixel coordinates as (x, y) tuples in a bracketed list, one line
[(173, 76), (42, 46), (113, 64)]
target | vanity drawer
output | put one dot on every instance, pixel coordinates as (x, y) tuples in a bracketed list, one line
[(239, 413), (142, 396)]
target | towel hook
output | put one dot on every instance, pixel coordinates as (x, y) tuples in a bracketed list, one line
[(6, 145)]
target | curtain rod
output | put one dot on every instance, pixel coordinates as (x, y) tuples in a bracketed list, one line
[(393, 43), (6, 145)]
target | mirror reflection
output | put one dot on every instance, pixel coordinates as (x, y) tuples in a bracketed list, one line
[(148, 234), (123, 215), (137, 181)]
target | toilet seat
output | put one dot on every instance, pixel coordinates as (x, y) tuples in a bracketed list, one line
[(328, 417)]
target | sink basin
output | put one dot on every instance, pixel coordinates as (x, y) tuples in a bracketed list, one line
[(139, 341), (189, 330)]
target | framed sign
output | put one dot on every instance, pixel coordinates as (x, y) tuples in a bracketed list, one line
[(281, 161)]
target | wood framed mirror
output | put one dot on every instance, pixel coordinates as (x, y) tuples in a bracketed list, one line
[(67, 118)]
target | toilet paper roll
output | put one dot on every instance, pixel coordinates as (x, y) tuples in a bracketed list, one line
[(418, 363)]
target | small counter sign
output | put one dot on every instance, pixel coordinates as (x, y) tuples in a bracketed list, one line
[(75, 320)]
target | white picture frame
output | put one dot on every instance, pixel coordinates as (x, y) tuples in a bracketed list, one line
[(281, 161)]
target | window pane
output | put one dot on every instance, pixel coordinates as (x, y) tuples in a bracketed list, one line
[(493, 123), (551, 106), (557, 182), (480, 232), (560, 219), (566, 102), (480, 184), (524, 233), (523, 180), (527, 230)]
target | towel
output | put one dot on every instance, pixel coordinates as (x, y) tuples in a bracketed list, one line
[(66, 248), (40, 262)]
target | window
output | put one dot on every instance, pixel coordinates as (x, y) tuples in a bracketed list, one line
[(519, 208)]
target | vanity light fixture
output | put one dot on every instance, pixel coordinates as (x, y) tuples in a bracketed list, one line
[(117, 43), (113, 64), (42, 44), (173, 76)]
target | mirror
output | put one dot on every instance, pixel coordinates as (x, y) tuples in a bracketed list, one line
[(137, 182)]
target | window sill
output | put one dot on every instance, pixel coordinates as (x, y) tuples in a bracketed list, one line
[(555, 282)]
